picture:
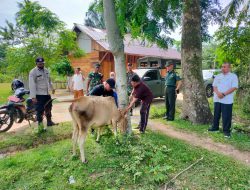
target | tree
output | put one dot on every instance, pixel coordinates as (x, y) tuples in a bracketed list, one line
[(209, 58), (153, 20), (38, 32), (195, 104), (116, 45), (63, 68), (237, 10), (94, 17)]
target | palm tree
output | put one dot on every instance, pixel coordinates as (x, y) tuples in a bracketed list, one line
[(237, 9)]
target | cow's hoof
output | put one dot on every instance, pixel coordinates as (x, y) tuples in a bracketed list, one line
[(97, 141), (85, 161)]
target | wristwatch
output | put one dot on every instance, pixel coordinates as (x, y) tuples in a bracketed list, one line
[(223, 94)]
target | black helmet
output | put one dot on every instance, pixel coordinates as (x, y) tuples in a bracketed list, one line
[(16, 83)]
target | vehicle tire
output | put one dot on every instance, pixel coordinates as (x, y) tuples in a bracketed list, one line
[(6, 120), (209, 91)]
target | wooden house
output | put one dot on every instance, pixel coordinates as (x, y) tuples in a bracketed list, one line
[(94, 42)]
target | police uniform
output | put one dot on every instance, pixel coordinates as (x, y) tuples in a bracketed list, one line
[(170, 93), (39, 85), (95, 79)]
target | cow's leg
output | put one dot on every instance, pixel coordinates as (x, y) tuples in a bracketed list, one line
[(114, 124), (82, 138), (99, 131), (75, 137)]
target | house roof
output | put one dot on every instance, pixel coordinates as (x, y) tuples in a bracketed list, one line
[(131, 46)]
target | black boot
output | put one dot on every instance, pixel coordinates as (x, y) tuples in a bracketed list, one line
[(50, 123)]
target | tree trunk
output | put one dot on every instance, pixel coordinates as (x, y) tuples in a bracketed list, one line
[(195, 104), (116, 46)]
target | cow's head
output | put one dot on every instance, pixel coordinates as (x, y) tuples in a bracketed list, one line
[(122, 122)]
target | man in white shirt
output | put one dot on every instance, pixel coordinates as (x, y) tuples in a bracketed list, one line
[(77, 83), (224, 86)]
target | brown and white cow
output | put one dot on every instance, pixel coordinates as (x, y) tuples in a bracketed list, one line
[(94, 112)]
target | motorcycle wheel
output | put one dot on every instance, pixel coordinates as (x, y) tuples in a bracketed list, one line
[(6, 120)]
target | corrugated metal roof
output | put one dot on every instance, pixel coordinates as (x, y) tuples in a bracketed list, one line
[(132, 46)]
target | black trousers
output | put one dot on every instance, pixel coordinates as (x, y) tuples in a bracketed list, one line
[(226, 111), (44, 104), (170, 99), (144, 112)]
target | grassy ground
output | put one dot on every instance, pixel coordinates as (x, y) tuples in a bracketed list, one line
[(239, 140), (5, 92), (28, 138), (139, 162)]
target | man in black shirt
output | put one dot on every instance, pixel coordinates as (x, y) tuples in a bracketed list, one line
[(143, 93), (105, 89)]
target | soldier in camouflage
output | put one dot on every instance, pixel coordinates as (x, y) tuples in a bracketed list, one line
[(94, 78), (130, 73)]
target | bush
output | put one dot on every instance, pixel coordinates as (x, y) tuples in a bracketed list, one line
[(140, 158), (5, 78), (246, 103)]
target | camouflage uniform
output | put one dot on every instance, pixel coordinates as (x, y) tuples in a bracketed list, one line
[(95, 79), (129, 86)]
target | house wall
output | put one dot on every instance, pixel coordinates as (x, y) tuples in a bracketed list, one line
[(95, 53), (84, 42)]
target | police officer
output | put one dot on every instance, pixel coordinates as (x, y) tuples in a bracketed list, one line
[(172, 86), (94, 78), (39, 85), (130, 73)]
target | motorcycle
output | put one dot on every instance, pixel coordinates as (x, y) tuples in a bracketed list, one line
[(16, 111)]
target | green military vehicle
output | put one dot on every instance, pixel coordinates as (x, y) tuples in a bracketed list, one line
[(149, 69), (153, 79)]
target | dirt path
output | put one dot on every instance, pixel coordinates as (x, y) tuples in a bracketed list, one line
[(61, 114), (203, 142)]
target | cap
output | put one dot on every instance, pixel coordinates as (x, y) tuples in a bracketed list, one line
[(169, 63), (111, 82), (97, 65), (130, 64), (39, 60)]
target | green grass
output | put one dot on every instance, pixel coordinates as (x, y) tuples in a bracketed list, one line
[(138, 162), (4, 92), (28, 138), (239, 140)]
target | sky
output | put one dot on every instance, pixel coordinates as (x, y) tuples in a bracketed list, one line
[(69, 11)]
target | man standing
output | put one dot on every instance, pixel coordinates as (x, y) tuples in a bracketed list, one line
[(172, 87), (105, 89), (39, 85), (130, 73), (95, 78), (224, 85), (142, 92), (77, 83)]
